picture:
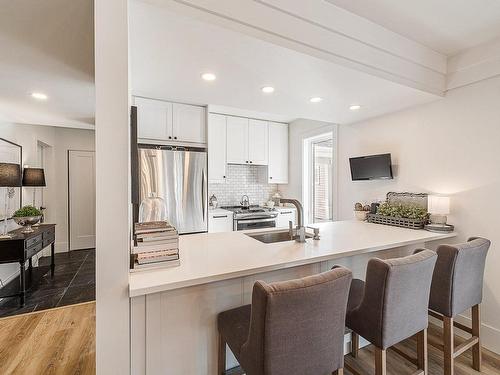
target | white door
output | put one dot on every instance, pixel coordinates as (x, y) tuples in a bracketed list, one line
[(278, 153), (189, 123), (81, 190), (237, 140), (258, 142), (216, 148), (154, 119)]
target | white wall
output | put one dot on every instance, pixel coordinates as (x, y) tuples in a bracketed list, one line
[(59, 140), (451, 146)]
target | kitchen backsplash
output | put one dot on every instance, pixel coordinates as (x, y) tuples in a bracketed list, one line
[(241, 180)]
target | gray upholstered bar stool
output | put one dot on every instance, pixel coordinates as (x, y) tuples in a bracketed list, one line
[(391, 306), (457, 285), (293, 327)]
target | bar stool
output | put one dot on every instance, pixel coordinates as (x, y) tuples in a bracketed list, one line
[(457, 285), (391, 306), (293, 327)]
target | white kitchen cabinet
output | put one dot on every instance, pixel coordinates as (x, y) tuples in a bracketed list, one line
[(277, 172), (154, 119), (285, 215), (237, 140), (258, 142), (167, 122), (216, 148), (188, 124), (220, 221)]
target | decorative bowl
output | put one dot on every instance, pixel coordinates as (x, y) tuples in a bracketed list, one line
[(27, 222)]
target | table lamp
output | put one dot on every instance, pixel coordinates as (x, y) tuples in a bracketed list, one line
[(10, 176), (33, 177), (438, 207)]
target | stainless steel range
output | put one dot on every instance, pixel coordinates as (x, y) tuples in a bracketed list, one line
[(253, 217)]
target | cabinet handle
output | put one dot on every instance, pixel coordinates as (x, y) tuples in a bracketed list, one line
[(270, 178), (286, 212), (169, 137), (251, 162), (219, 216), (175, 137), (223, 176), (246, 161)]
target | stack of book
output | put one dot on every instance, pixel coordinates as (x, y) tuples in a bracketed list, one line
[(156, 244)]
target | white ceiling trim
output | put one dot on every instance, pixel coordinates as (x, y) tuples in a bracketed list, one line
[(474, 65), (348, 48)]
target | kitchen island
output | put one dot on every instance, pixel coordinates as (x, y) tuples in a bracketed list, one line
[(174, 310)]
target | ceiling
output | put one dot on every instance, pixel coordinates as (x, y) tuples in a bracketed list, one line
[(47, 46), (170, 51), (447, 26)]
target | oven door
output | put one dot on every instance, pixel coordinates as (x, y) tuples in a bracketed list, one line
[(255, 223)]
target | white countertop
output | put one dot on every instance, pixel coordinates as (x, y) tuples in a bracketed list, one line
[(210, 257), (219, 211)]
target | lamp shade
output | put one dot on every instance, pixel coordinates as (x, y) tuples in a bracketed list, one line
[(33, 177), (10, 175), (438, 205)]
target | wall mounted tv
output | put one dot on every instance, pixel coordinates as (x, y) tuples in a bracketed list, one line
[(372, 167)]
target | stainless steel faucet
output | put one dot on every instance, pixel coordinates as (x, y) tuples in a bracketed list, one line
[(300, 230), (245, 201)]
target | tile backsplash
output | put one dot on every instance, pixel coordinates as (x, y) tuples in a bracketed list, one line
[(242, 180)]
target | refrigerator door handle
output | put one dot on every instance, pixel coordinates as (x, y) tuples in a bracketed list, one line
[(203, 195)]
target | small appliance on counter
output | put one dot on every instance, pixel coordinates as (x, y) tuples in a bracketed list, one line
[(213, 202), (438, 207)]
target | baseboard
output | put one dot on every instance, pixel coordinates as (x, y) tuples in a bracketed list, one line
[(490, 336)]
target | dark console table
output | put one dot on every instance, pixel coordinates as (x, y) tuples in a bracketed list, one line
[(22, 246)]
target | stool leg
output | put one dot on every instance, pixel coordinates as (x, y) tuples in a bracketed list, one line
[(221, 361), (476, 328), (448, 345), (380, 361), (354, 344), (422, 358), (340, 371)]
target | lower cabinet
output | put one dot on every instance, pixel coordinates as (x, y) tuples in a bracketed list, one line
[(220, 221), (284, 216)]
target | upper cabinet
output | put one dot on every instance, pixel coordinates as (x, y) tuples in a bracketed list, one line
[(277, 171), (216, 148), (247, 141), (237, 140), (258, 142), (163, 121)]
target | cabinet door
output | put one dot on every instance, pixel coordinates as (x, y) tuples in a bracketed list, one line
[(284, 217), (258, 142), (278, 153), (189, 123), (216, 148), (220, 222), (154, 119), (237, 140)]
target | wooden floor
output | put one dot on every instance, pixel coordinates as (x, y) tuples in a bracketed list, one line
[(397, 365), (62, 341), (56, 341)]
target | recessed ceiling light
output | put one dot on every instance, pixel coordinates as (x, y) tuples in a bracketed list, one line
[(267, 89), (208, 76), (316, 99), (39, 96), (354, 107)]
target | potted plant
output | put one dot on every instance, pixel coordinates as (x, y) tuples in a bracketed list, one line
[(361, 211), (27, 216)]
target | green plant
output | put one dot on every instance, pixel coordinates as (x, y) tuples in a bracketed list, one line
[(406, 211), (27, 211)]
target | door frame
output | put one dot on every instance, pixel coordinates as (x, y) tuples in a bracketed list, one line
[(68, 195)]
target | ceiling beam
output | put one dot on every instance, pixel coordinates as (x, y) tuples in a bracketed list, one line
[(321, 29)]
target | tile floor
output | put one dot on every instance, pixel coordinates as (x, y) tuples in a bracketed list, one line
[(73, 282)]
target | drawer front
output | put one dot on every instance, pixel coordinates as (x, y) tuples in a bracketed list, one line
[(47, 240), (33, 241), (33, 250), (48, 233)]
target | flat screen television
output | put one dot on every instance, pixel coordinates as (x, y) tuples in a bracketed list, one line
[(371, 167)]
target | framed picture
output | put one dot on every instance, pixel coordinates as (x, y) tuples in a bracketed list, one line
[(10, 152)]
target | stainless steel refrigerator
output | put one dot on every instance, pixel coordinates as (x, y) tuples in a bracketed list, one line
[(179, 176)]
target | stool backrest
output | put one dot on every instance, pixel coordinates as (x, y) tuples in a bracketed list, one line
[(396, 297), (297, 326), (457, 283)]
